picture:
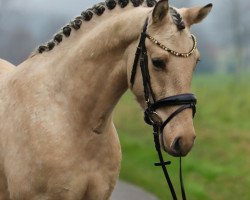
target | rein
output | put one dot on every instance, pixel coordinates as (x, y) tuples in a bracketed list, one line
[(185, 101)]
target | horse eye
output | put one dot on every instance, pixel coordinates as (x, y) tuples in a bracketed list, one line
[(159, 63)]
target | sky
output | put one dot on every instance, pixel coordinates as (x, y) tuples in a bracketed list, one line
[(37, 21)]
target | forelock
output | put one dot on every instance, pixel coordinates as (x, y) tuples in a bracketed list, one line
[(177, 18)]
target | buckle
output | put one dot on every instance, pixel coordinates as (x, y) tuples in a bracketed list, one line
[(152, 118)]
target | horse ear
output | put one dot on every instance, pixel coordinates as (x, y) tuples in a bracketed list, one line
[(160, 11), (197, 14)]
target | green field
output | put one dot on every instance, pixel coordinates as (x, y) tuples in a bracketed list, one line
[(218, 167)]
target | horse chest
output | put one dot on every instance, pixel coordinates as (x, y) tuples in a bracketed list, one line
[(64, 167)]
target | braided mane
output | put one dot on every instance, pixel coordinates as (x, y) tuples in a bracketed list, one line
[(98, 10), (87, 15)]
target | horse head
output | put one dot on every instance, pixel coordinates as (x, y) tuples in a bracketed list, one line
[(167, 55)]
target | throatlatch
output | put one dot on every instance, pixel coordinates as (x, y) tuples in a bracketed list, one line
[(185, 101)]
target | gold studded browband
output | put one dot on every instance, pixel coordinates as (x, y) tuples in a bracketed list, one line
[(184, 55)]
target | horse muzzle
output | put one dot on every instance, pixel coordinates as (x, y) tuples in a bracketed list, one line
[(180, 145)]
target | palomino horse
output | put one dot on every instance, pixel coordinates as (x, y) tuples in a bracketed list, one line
[(57, 138)]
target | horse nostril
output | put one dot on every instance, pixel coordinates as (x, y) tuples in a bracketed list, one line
[(176, 146)]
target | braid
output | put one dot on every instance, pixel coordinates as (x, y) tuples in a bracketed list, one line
[(67, 30), (51, 45), (58, 38), (76, 24), (151, 3), (111, 4), (136, 3), (99, 9), (42, 48), (87, 15), (123, 3)]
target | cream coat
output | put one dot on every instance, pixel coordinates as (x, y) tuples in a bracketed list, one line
[(57, 137)]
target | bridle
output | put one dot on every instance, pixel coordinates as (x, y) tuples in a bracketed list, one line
[(185, 101)]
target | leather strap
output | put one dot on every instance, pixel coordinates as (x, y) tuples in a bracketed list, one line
[(162, 163), (180, 99), (186, 101), (182, 183), (138, 53), (179, 110)]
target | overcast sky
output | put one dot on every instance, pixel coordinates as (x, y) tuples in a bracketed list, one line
[(42, 10), (39, 20), (76, 6), (50, 6)]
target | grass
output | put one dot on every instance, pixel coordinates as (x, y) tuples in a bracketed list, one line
[(218, 166)]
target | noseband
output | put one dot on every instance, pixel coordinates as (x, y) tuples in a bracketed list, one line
[(185, 101)]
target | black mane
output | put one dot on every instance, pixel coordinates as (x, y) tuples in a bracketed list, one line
[(99, 9), (87, 15)]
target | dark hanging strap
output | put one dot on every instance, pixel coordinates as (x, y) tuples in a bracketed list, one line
[(182, 183), (138, 53), (162, 163), (134, 68), (141, 57), (144, 68)]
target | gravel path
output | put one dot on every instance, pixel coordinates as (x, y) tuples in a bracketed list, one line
[(125, 191)]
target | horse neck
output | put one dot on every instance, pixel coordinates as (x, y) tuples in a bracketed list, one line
[(90, 67)]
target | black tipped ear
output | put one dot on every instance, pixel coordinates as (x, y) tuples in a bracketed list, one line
[(197, 14), (160, 11), (203, 13)]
